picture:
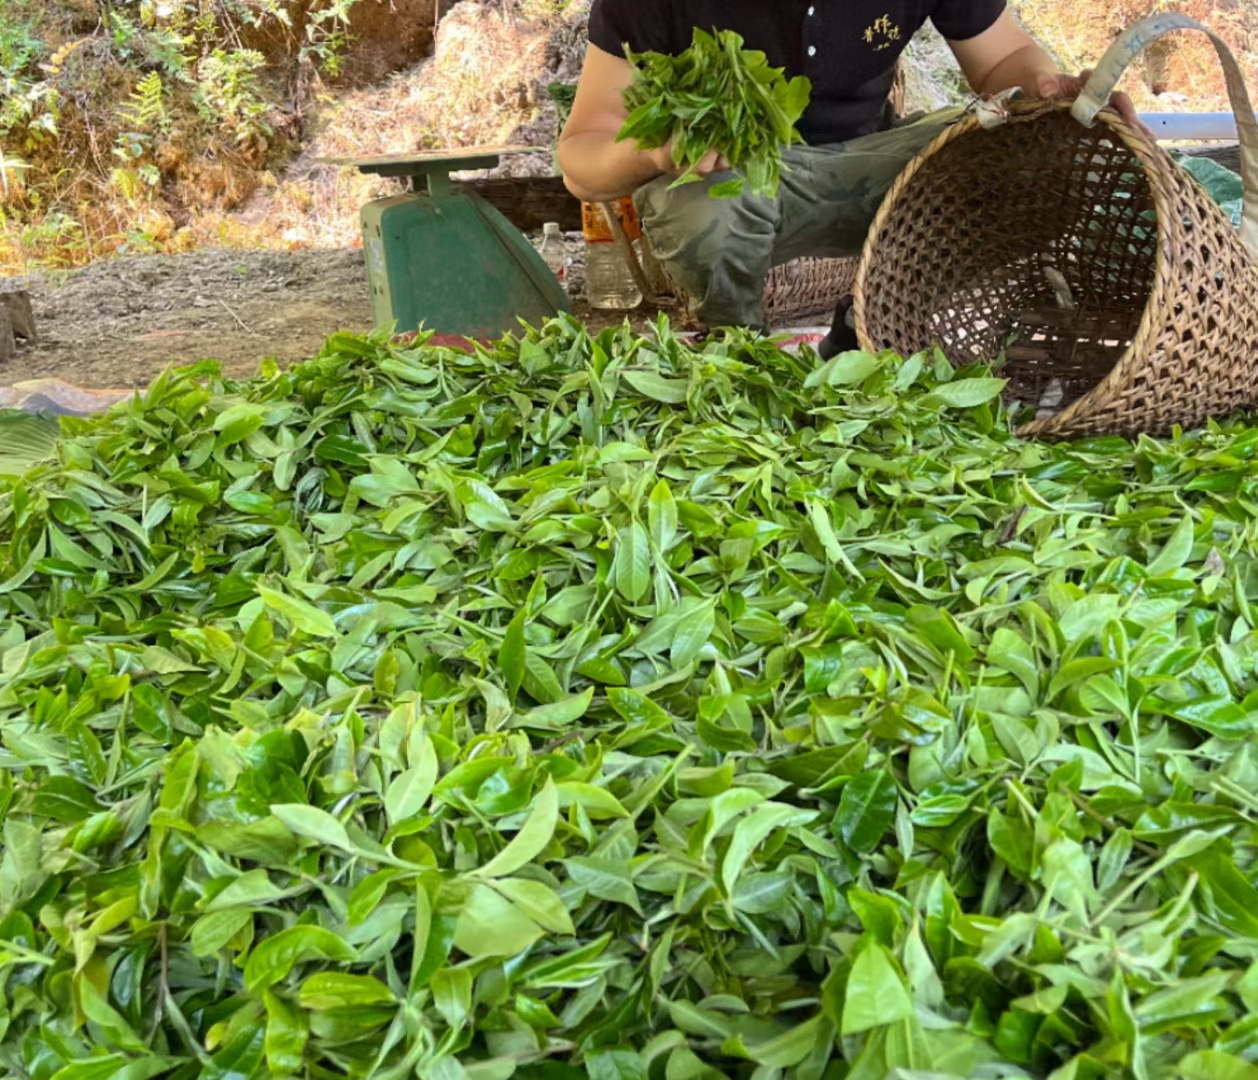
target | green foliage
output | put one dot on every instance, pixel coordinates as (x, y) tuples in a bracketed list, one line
[(716, 96), (146, 110), (598, 706), (12, 169), (191, 81), (134, 184), (25, 439), (144, 114), (25, 98), (57, 232), (327, 33), (564, 95), (21, 48), (229, 93)]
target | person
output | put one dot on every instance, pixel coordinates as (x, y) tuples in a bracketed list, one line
[(721, 250)]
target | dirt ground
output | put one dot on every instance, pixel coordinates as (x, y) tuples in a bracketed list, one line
[(120, 322)]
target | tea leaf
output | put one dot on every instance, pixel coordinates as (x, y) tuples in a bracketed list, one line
[(313, 824), (866, 810), (529, 842), (633, 562), (716, 95), (302, 615), (875, 995)]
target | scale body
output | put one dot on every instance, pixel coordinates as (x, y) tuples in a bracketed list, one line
[(445, 260)]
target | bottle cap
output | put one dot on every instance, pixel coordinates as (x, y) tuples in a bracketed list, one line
[(551, 228)]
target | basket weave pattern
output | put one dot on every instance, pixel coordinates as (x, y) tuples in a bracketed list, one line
[(1157, 325), (804, 288), (807, 287)]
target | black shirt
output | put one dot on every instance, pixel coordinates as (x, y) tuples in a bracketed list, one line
[(847, 48)]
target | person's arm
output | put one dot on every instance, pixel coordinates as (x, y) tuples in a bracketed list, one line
[(1005, 56), (597, 168)]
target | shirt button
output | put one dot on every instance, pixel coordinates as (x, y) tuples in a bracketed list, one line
[(812, 50)]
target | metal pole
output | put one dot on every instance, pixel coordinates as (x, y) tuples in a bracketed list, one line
[(1191, 127)]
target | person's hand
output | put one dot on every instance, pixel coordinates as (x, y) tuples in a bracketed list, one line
[(1068, 87), (663, 160)]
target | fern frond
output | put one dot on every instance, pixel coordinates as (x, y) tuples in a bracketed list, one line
[(126, 183), (146, 108)]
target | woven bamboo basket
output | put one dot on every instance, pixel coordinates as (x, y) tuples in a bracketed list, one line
[(807, 288), (804, 288), (1066, 243)]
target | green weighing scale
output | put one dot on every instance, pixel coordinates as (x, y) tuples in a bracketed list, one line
[(446, 260)]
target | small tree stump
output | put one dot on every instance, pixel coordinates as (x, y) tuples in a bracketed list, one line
[(8, 345), (21, 314), (17, 320)]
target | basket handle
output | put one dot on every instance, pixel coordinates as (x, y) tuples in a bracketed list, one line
[(1129, 45)]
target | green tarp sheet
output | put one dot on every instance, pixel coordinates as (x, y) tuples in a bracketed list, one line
[(1223, 185)]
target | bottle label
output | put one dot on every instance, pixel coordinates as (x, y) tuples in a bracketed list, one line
[(598, 230)]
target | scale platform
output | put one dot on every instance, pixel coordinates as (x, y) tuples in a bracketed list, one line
[(445, 260)]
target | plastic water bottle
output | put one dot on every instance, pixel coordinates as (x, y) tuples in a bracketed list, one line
[(553, 252), (609, 284)]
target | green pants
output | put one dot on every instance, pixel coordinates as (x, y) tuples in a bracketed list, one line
[(721, 250)]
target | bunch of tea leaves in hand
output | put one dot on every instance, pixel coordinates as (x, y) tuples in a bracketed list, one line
[(716, 96)]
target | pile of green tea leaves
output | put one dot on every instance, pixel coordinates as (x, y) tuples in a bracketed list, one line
[(25, 438), (716, 95), (596, 706)]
